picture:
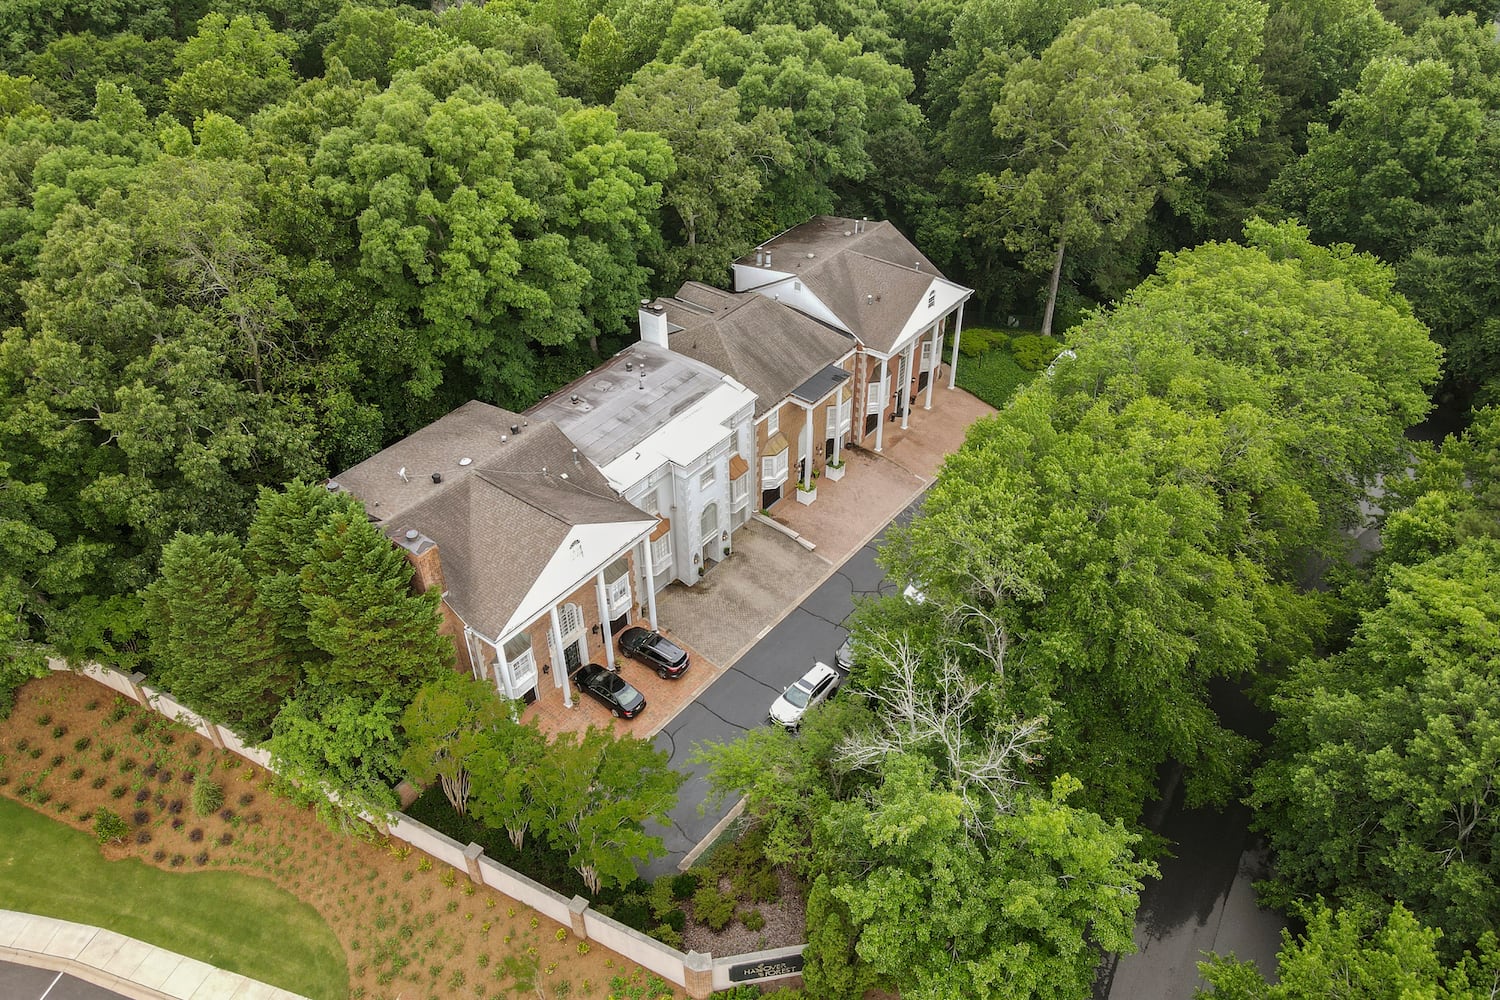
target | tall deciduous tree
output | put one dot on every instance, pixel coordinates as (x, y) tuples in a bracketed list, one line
[(345, 747), (506, 780), (1100, 126), (595, 792), (720, 164), (212, 639), (450, 723)]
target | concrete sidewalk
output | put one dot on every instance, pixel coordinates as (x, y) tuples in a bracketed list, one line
[(129, 967)]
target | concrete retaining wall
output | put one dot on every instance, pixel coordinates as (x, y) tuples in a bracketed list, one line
[(698, 973)]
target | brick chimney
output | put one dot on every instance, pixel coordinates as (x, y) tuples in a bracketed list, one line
[(426, 564)]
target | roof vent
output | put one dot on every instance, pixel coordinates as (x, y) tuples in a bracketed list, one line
[(465, 462), (917, 266), (573, 399), (437, 477), (565, 475), (630, 366), (869, 300), (515, 428), (848, 232), (504, 438), (768, 258), (412, 534), (810, 255), (331, 486)]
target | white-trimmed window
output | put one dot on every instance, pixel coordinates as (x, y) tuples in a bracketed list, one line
[(773, 470), (708, 477), (773, 422), (569, 620), (518, 656), (926, 364), (661, 554), (931, 298), (739, 492)]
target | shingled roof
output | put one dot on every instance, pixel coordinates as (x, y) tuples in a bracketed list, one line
[(766, 346), (869, 275), (499, 517)]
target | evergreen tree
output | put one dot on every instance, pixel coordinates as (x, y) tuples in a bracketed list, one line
[(212, 638), (379, 637)]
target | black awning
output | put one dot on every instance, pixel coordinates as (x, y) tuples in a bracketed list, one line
[(821, 384)]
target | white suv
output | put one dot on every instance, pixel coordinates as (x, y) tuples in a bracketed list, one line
[(812, 688)]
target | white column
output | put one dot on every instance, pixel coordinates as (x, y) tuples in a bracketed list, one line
[(650, 584), (560, 662), (807, 441), (880, 423), (911, 359), (838, 422), (502, 666), (604, 630), (937, 361), (958, 332)]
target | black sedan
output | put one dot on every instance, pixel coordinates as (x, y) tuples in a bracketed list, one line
[(622, 700), (668, 659)]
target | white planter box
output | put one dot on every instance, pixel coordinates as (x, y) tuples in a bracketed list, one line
[(834, 473), (806, 497)]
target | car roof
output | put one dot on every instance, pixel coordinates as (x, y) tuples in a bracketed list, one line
[(818, 671)]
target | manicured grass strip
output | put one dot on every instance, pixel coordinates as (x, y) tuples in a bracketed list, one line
[(232, 921), (993, 376)]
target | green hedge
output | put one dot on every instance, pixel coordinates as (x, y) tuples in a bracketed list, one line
[(994, 377), (979, 339)]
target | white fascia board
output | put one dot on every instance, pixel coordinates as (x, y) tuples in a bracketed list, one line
[(801, 299), (685, 439), (949, 295), (752, 276), (565, 573)]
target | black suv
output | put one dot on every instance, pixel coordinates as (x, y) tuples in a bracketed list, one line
[(662, 655), (622, 700)]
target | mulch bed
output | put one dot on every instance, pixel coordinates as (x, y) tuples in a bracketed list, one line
[(410, 927)]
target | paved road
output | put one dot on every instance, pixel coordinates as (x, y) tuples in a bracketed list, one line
[(22, 982), (740, 699)]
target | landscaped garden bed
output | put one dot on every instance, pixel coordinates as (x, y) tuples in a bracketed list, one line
[(76, 752)]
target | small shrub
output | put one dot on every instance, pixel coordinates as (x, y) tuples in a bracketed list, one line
[(76, 773), (764, 886), (34, 753), (227, 815), (667, 936), (200, 859), (675, 919), (195, 834), (712, 908), (188, 777), (127, 765), (58, 732), (424, 865), (109, 827), (139, 726), (99, 782), (107, 754), (684, 885), (118, 792), (143, 836), (22, 744), (174, 807), (226, 838), (1034, 352), (82, 743), (164, 776), (753, 920), (41, 797), (158, 855), (246, 798), (207, 797), (177, 823), (449, 878), (177, 860), (93, 704), (57, 761), (150, 769), (140, 817), (45, 719), (142, 795), (194, 749), (117, 710)]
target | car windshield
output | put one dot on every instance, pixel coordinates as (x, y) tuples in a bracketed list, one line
[(797, 695)]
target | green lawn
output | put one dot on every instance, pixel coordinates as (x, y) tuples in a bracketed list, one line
[(235, 922), (993, 376)]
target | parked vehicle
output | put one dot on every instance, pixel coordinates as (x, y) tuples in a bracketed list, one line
[(914, 594), (844, 656), (812, 688), (622, 700), (661, 654)]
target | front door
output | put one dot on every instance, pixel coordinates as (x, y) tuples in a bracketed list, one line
[(573, 656)]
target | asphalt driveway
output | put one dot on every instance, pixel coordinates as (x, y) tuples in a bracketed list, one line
[(739, 699), (23, 982)]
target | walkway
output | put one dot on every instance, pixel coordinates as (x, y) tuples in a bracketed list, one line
[(129, 968)]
